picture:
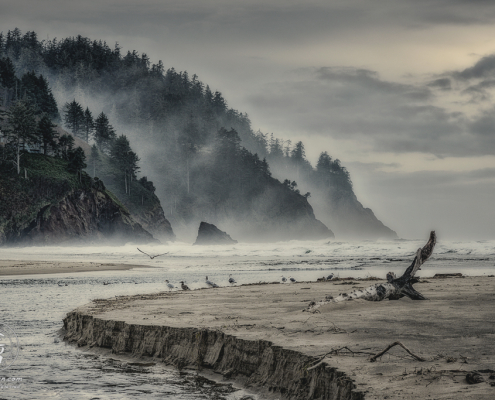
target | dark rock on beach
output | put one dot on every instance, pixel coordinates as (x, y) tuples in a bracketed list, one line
[(210, 234)]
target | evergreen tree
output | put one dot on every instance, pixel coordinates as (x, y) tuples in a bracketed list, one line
[(77, 161), (22, 129), (47, 135), (88, 124), (66, 146), (95, 158), (189, 143), (104, 134), (74, 117), (125, 160), (7, 79), (37, 90)]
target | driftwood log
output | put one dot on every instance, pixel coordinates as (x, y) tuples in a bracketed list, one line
[(393, 289)]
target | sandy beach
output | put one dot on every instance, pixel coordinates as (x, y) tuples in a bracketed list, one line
[(16, 267), (453, 331)]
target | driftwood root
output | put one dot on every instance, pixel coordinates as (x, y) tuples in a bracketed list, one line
[(381, 353)]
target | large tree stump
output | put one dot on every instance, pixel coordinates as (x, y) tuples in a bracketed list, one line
[(393, 289)]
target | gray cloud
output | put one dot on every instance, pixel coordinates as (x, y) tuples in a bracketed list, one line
[(441, 83), (355, 104), (455, 203), (482, 69)]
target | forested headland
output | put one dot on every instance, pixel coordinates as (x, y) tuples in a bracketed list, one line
[(203, 159)]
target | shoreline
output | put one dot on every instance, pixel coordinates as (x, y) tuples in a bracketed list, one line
[(258, 336), (22, 267)]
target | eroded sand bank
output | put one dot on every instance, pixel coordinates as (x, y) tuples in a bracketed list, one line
[(16, 267), (454, 331)]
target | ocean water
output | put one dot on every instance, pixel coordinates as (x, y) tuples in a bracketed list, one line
[(34, 305)]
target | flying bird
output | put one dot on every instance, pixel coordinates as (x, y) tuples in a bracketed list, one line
[(284, 279), (231, 280), (292, 279), (211, 284), (151, 257), (184, 286), (169, 285)]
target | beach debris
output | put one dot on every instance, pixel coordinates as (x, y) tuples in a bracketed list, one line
[(151, 257), (210, 283), (231, 280), (394, 289), (169, 285), (330, 277), (381, 353), (284, 279), (184, 286), (474, 377), (458, 275), (292, 279)]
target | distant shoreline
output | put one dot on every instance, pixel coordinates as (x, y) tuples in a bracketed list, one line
[(17, 267)]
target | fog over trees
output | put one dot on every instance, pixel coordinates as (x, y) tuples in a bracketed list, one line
[(204, 157)]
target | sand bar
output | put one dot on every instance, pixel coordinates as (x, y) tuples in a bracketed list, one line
[(454, 330), (16, 267)]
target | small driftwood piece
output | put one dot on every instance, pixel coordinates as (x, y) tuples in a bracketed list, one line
[(394, 289), (381, 353)]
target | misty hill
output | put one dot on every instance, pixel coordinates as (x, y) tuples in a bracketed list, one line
[(205, 160), (49, 204)]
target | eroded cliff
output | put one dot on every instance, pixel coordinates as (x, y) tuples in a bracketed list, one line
[(256, 363), (49, 205)]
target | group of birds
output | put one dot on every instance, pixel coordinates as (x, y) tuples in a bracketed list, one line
[(231, 280), (207, 281)]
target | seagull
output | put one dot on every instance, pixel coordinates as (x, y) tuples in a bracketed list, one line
[(169, 285), (151, 257), (231, 280), (184, 286), (284, 279), (211, 284), (329, 277), (292, 279)]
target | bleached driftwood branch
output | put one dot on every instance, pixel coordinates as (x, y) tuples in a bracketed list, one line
[(393, 289)]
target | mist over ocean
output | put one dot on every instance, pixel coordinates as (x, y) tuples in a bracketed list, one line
[(35, 305)]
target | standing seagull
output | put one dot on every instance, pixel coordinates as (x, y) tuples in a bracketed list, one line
[(211, 284), (158, 255), (292, 279), (184, 286), (169, 285), (231, 280), (284, 279)]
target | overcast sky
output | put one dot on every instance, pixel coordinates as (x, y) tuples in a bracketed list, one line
[(400, 91)]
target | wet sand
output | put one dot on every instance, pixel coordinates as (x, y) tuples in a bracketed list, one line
[(16, 267), (454, 330)]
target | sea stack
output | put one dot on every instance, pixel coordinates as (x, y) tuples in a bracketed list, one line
[(210, 234)]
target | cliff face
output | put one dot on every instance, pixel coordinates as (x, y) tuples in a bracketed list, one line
[(152, 218), (258, 364), (49, 205), (276, 213), (351, 220), (81, 215)]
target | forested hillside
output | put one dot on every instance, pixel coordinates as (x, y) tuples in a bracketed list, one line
[(206, 161)]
